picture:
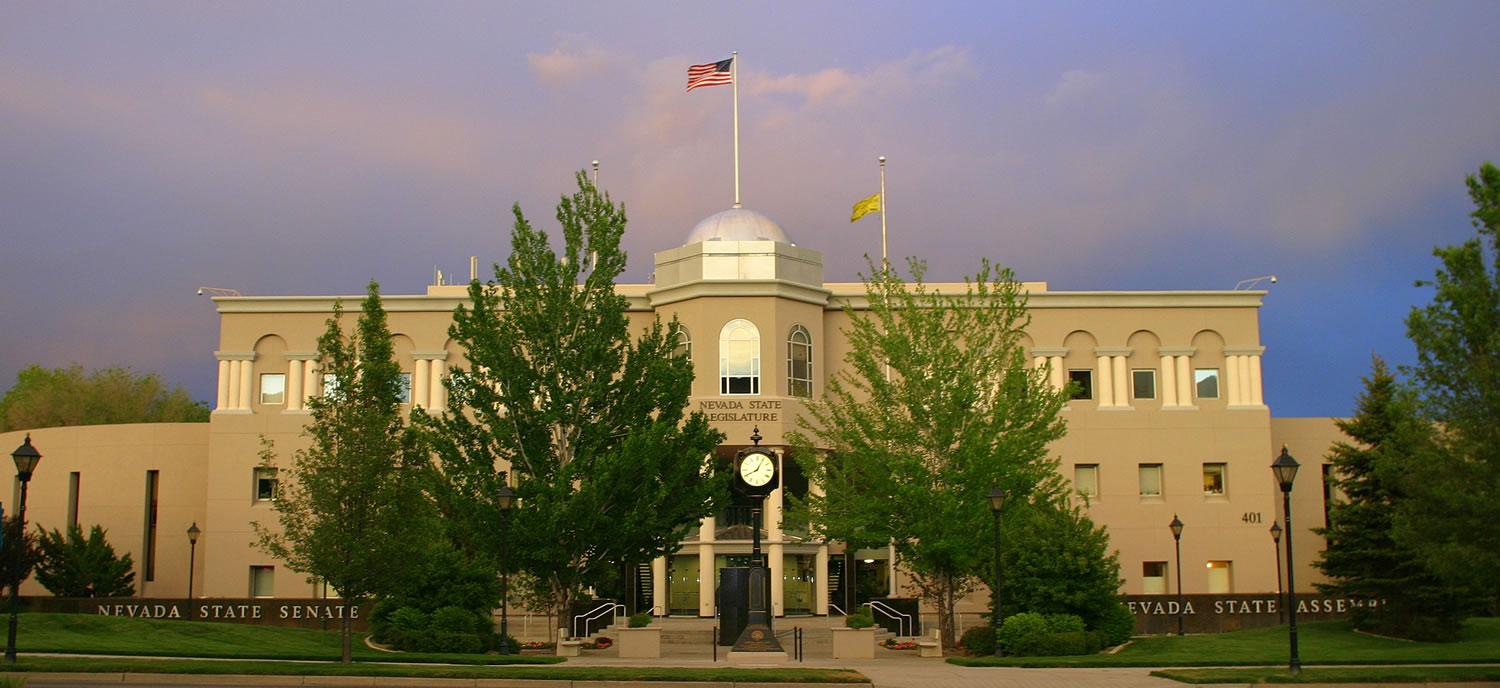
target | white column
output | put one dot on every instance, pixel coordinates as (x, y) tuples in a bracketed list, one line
[(1255, 389), (419, 384), (820, 583), (706, 576), (438, 394), (1168, 381), (247, 382), (1122, 382), (1232, 379), (1105, 391), (891, 570), (1059, 376), (309, 380), (293, 385), (223, 400), (775, 552), (659, 585), (1185, 381), (235, 379), (1039, 362)]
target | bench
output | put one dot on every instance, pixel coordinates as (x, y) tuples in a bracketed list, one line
[(930, 646)]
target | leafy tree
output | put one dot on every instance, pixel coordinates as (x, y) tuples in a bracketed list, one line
[(72, 566), (1057, 561), (1362, 560), (1458, 374), (934, 405), (607, 465), (44, 398), (351, 509), (14, 537)]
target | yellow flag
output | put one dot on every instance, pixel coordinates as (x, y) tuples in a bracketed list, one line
[(865, 207)]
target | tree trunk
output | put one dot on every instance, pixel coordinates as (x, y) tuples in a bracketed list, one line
[(947, 601), (562, 597), (348, 632)]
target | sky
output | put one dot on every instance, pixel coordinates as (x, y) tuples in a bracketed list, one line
[(288, 148)]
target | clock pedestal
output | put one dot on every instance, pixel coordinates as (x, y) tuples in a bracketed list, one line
[(757, 643)]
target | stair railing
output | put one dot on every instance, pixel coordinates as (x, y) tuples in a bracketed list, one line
[(598, 612), (902, 619)]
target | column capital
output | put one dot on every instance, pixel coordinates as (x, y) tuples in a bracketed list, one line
[(1244, 350), (300, 355), (235, 355), (429, 355), (1177, 350), (1112, 351), (1049, 351)]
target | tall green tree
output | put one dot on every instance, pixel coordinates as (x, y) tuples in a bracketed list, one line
[(350, 507), (591, 419), (52, 397), (1362, 560), (15, 538), (934, 404), (74, 566), (1457, 337)]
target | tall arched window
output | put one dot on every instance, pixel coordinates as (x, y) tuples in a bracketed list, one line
[(684, 342), (739, 358), (799, 367)]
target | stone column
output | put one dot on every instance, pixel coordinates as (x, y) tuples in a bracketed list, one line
[(775, 550), (1051, 358), (309, 380), (659, 585), (1244, 375), (707, 576), (1104, 389), (1122, 382), (419, 385), (820, 584), (1113, 390), (427, 380), (1168, 381), (235, 381), (247, 381), (223, 392), (298, 372), (1232, 378), (1177, 375)]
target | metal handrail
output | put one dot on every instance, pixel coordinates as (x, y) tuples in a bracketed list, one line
[(595, 613), (840, 609), (896, 615)]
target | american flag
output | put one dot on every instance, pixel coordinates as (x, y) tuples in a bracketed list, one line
[(711, 74)]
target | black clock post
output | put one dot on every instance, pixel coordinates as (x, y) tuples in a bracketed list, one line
[(756, 476)]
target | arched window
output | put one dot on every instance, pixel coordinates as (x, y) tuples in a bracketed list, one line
[(684, 342), (739, 358), (799, 367)]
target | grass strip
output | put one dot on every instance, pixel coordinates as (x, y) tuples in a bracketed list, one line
[(1323, 642), (530, 673), (1336, 675)]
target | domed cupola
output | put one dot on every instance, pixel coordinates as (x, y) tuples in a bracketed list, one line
[(737, 224)]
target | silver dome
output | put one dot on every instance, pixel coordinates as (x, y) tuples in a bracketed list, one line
[(737, 224)]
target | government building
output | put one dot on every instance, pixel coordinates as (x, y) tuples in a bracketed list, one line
[(1171, 421)]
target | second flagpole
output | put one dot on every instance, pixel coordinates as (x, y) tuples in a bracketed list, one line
[(883, 258), (734, 79)]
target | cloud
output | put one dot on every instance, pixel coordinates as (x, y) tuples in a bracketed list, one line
[(575, 57), (1075, 85), (936, 68)]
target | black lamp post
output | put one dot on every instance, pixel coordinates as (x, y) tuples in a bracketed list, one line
[(1285, 469), (193, 534), (997, 501), (1176, 526), (1280, 595), (505, 498), (26, 458)]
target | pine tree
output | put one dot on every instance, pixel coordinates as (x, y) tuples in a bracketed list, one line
[(1362, 559), (350, 508), (74, 566)]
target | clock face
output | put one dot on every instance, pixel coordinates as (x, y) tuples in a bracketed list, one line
[(757, 469)]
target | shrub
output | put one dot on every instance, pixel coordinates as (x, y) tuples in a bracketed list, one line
[(492, 643), (74, 566), (861, 618), (979, 640), (640, 620), (438, 641), (1064, 623), (1015, 629), (1117, 624), (459, 620), (409, 619)]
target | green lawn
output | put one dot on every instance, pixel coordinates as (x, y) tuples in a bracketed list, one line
[(533, 673), (109, 635), (1337, 675), (1323, 642)]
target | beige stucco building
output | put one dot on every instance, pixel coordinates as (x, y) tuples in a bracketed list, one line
[(1172, 422)]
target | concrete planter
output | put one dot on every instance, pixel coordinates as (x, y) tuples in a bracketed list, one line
[(853, 643), (640, 643)]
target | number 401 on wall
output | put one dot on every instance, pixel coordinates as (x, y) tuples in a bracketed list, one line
[(1251, 517)]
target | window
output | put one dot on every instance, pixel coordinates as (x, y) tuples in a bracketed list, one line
[(1086, 479), (1150, 480), (265, 484), (1213, 478), (73, 480), (684, 343), (262, 581), (799, 362), (739, 358), (331, 386), (1143, 383), (405, 393), (273, 388), (1220, 579), (1154, 577), (1085, 381), (1207, 381), (148, 558)]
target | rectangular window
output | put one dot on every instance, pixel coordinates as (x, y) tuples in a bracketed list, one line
[(148, 560), (1086, 479), (1207, 381), (73, 480), (1143, 383), (1213, 478), (1154, 577), (262, 581), (330, 386), (1085, 381), (273, 389), (1150, 480), (265, 484), (1220, 578), (406, 388)]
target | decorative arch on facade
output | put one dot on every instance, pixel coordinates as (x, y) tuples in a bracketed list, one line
[(799, 362), (269, 372), (739, 358)]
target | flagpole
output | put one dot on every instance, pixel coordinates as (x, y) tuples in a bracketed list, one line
[(883, 257), (734, 78)]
